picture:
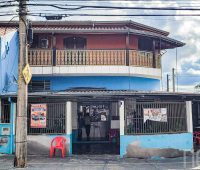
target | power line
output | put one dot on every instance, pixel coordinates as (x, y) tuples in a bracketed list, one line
[(135, 1), (76, 7), (10, 5), (7, 1), (110, 15)]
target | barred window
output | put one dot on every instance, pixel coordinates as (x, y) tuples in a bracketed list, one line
[(39, 85), (155, 117), (5, 113), (55, 120)]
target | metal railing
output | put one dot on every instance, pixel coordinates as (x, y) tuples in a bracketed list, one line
[(92, 57), (135, 123)]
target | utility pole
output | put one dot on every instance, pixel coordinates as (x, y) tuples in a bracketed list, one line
[(173, 79), (20, 159), (167, 82)]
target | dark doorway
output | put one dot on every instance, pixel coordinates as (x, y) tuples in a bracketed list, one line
[(101, 119)]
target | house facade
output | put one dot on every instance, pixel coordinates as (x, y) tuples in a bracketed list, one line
[(96, 68), (109, 55)]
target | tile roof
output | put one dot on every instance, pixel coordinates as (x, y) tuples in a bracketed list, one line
[(129, 23), (103, 92), (78, 28), (6, 30), (104, 29), (92, 27)]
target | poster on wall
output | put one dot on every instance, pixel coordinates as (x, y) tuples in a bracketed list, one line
[(155, 114), (99, 112), (5, 131), (38, 115)]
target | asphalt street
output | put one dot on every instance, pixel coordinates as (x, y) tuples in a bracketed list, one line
[(102, 162)]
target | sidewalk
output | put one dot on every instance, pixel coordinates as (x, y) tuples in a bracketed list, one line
[(100, 162)]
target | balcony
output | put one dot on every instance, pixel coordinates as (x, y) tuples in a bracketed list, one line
[(41, 57)]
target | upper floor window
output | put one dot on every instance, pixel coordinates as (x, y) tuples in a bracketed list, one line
[(39, 85), (41, 41), (44, 43), (74, 43), (145, 44)]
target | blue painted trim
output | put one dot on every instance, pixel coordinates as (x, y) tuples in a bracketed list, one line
[(121, 149), (70, 144), (107, 82), (12, 131)]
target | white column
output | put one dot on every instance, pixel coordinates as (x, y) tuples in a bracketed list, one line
[(189, 116), (121, 115), (69, 117)]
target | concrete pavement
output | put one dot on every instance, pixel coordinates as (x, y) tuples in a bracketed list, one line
[(101, 162)]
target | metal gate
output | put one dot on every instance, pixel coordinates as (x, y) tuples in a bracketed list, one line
[(196, 115), (55, 119), (175, 117), (7, 131)]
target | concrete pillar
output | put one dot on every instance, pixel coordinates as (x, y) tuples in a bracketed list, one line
[(189, 116), (69, 124), (69, 118), (121, 115)]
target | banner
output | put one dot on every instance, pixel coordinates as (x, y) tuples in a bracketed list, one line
[(38, 115), (155, 114)]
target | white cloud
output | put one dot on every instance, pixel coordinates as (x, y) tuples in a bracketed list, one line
[(193, 72), (186, 88)]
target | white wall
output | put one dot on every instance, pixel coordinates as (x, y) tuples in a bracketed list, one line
[(97, 71)]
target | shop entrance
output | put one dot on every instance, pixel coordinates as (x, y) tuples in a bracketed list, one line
[(97, 128)]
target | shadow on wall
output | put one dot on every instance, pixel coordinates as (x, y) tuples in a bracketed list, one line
[(134, 150)]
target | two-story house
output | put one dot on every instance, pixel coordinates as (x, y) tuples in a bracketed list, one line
[(89, 67)]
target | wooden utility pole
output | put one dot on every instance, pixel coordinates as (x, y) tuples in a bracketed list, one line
[(20, 159), (167, 82), (173, 79)]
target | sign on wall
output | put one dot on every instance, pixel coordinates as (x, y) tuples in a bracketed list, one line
[(38, 115), (99, 112), (3, 140), (27, 73), (155, 114), (5, 131)]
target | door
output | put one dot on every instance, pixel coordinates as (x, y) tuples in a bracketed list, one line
[(7, 116)]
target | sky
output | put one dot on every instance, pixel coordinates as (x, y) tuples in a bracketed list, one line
[(186, 59)]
